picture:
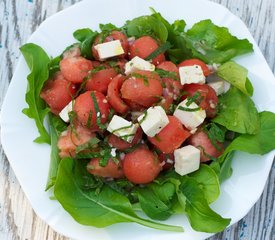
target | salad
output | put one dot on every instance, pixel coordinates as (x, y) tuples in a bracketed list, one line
[(145, 117)]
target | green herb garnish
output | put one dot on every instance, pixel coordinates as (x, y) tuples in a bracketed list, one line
[(188, 109), (163, 48), (98, 113), (145, 78), (167, 74)]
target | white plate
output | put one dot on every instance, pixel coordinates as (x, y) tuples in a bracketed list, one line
[(30, 161)]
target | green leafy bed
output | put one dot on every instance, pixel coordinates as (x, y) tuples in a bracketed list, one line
[(96, 202)]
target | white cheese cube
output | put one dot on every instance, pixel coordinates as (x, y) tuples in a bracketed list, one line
[(187, 160), (191, 74), (190, 116), (226, 87), (138, 63), (109, 49), (64, 114), (153, 120), (122, 128), (113, 152), (219, 86)]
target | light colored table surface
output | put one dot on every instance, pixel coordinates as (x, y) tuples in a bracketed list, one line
[(18, 19)]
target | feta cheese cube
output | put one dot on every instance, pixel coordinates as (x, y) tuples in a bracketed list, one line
[(226, 87), (187, 159), (138, 63), (153, 120), (109, 49), (191, 74), (113, 152), (219, 86), (191, 116), (64, 114), (122, 128)]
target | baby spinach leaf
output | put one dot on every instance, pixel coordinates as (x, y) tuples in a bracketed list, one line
[(99, 207), (214, 44), (237, 112), (201, 216), (86, 37), (208, 182), (236, 75), (260, 143), (146, 25), (156, 200), (38, 62)]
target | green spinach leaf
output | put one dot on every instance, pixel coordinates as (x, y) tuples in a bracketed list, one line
[(237, 112), (201, 216), (156, 200), (90, 205), (208, 181), (108, 27), (236, 75), (260, 143), (214, 44), (57, 126), (86, 37), (146, 25), (222, 167)]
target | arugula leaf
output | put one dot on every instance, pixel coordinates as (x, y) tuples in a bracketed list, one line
[(106, 30), (226, 169), (54, 65), (208, 181), (236, 75), (108, 27), (146, 25), (179, 25), (82, 34), (86, 37), (173, 29), (38, 62), (205, 40), (93, 206), (237, 112), (201, 216), (179, 51), (222, 167), (57, 126), (214, 44), (178, 204), (156, 200), (124, 187), (260, 143)]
